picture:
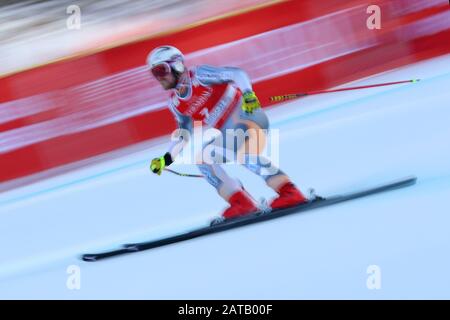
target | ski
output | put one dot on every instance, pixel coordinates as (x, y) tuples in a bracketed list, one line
[(250, 219)]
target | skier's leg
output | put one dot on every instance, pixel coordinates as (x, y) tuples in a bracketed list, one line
[(229, 189), (249, 154), (216, 176)]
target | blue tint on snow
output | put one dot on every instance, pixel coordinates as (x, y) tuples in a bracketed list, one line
[(333, 142)]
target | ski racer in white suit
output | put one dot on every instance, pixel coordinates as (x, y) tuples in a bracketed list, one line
[(221, 98)]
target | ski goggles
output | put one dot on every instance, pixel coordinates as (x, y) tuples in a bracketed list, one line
[(161, 70)]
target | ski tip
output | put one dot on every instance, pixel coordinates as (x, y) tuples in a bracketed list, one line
[(403, 182), (410, 180), (88, 257)]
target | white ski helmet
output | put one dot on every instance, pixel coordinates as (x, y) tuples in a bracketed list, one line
[(168, 54)]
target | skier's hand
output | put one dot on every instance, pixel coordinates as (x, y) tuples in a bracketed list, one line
[(158, 164), (250, 102)]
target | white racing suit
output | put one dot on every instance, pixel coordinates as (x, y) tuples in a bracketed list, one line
[(213, 96)]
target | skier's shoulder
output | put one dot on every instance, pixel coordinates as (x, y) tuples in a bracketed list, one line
[(206, 73), (206, 68)]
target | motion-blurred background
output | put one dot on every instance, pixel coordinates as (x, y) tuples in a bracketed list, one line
[(34, 32), (80, 118), (69, 95)]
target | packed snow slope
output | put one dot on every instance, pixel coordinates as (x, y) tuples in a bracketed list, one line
[(333, 142)]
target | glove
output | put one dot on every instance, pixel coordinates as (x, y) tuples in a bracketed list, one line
[(251, 102), (158, 164)]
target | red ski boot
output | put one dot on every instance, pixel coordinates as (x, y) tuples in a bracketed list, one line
[(241, 204), (289, 196)]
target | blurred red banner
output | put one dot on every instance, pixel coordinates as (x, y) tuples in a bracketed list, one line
[(70, 110)]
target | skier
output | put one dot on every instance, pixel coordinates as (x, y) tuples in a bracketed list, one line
[(221, 98)]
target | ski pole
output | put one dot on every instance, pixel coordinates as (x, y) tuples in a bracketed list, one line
[(298, 95), (184, 174)]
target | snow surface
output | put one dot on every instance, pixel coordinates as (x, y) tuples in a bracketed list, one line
[(333, 142)]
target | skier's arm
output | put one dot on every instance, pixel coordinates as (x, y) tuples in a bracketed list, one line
[(208, 75), (179, 139), (181, 136)]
